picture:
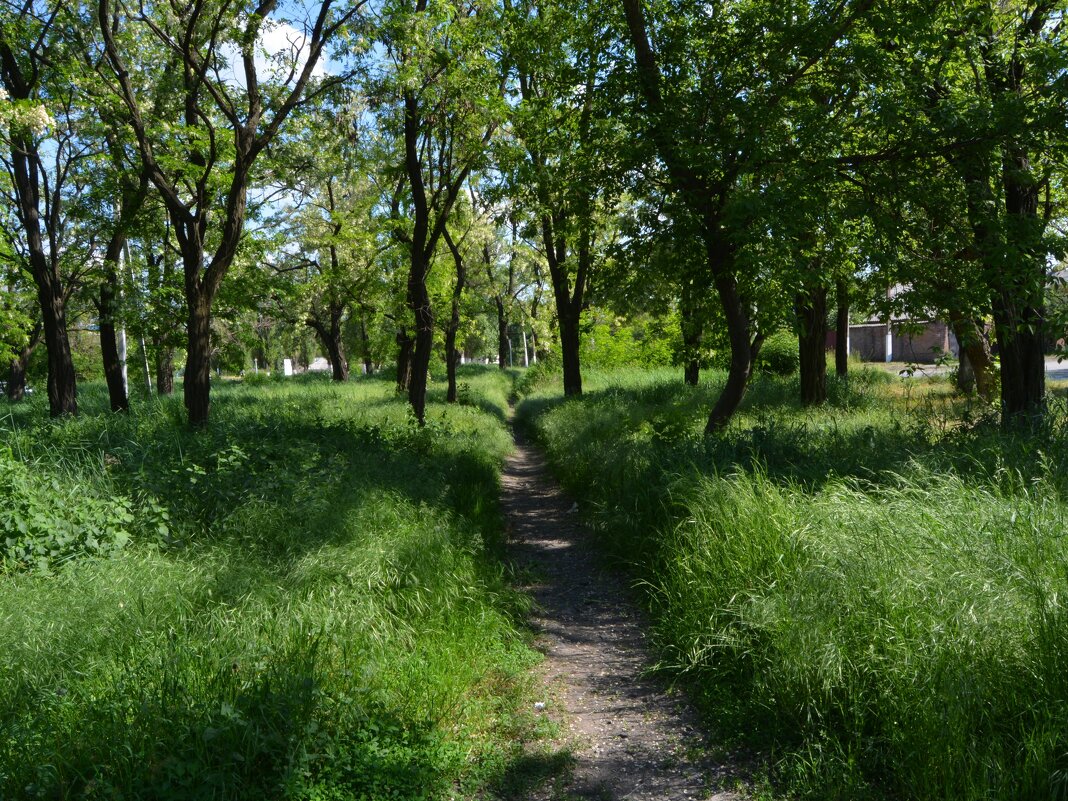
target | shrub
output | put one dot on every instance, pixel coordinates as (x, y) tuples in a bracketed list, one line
[(778, 354)]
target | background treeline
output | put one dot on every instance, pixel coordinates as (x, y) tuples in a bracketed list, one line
[(384, 181)]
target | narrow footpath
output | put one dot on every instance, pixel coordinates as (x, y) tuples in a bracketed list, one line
[(630, 738)]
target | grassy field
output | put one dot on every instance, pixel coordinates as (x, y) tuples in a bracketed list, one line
[(305, 601), (870, 597)]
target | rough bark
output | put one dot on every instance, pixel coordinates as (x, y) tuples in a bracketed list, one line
[(569, 301), (502, 334), (976, 369), (744, 349), (20, 74), (109, 351), (1020, 328), (1018, 282), (330, 336), (108, 308), (62, 382), (570, 340), (1019, 300), (197, 384), (419, 303), (164, 369), (452, 355), (338, 362), (16, 380), (335, 349), (811, 309), (841, 341)]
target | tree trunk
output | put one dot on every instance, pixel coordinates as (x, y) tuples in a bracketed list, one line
[(1019, 299), (502, 335), (419, 303), (841, 342), (365, 349), (16, 382), (164, 370), (336, 351), (62, 382), (112, 351), (109, 348), (743, 354), (1021, 346), (404, 360), (570, 341), (330, 337), (965, 374), (976, 370), (452, 356), (811, 308), (197, 383), (568, 301), (692, 333)]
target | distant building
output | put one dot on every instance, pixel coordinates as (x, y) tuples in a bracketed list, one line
[(903, 340)]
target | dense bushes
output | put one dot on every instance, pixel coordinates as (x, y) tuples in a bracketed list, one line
[(873, 598)]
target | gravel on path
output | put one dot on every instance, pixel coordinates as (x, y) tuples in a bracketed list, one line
[(630, 738)]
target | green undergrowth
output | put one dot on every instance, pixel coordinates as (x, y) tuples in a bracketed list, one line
[(305, 600), (871, 595)]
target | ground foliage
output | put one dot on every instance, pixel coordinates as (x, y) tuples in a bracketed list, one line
[(310, 604), (870, 595)]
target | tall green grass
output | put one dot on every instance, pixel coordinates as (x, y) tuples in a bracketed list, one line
[(310, 604), (872, 595)]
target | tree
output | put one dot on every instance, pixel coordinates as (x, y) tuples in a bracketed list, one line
[(202, 165), (447, 87), (1017, 55), (979, 118), (723, 120), (39, 118), (568, 170), (333, 271)]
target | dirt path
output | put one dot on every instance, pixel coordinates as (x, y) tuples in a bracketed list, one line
[(630, 739)]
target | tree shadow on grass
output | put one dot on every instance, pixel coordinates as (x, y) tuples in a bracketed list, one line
[(528, 773), (656, 431), (240, 731)]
